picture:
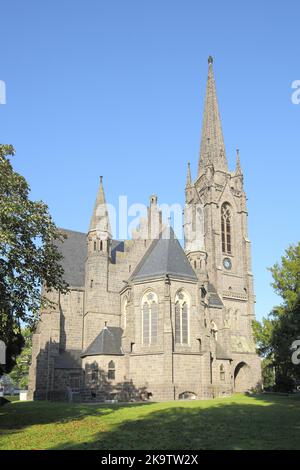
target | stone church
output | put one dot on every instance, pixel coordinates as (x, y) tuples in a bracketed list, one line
[(145, 318)]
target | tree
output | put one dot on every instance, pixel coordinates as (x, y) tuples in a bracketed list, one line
[(19, 374), (275, 335), (262, 333), (287, 276), (286, 331), (29, 256)]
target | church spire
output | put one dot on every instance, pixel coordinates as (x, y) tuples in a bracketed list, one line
[(188, 176), (100, 218), (212, 141)]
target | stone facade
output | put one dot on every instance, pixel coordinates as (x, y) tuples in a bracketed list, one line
[(146, 320)]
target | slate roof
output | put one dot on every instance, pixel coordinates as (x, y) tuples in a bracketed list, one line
[(108, 342), (74, 251), (213, 297), (164, 256), (116, 245), (70, 359)]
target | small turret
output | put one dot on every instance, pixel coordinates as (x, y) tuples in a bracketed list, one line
[(238, 174), (238, 169), (100, 235)]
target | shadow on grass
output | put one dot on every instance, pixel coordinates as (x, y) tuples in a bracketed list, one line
[(258, 422), (16, 416), (261, 423)]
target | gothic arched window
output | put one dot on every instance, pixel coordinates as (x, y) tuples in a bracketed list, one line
[(95, 372), (149, 318), (181, 318), (111, 371), (226, 229), (222, 373)]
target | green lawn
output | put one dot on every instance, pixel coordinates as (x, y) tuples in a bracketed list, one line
[(239, 422)]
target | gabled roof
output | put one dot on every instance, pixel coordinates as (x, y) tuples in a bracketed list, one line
[(69, 359), (164, 256), (213, 297), (116, 245), (74, 251), (108, 342)]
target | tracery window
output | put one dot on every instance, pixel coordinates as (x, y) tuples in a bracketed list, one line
[(149, 318), (222, 373), (111, 375), (226, 228), (181, 318), (95, 372)]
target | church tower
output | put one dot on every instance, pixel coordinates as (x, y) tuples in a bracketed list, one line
[(99, 240), (225, 246)]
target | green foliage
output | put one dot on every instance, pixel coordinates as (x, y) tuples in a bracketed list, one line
[(262, 333), (286, 331), (287, 276), (19, 374), (275, 335), (10, 333), (268, 373), (29, 257)]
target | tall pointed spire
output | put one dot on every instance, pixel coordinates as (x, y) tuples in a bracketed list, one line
[(100, 218), (188, 176), (212, 141)]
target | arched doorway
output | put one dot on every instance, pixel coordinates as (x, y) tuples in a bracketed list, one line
[(187, 396), (242, 377)]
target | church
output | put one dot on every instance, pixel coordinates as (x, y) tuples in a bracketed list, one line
[(148, 319)]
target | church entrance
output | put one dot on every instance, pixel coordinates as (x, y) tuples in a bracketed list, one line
[(242, 377)]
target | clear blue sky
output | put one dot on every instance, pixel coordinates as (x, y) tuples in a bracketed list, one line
[(106, 87)]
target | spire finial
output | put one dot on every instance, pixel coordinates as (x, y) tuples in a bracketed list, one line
[(101, 179), (210, 59), (188, 176)]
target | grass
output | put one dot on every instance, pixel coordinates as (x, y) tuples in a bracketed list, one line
[(238, 422), (12, 397)]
